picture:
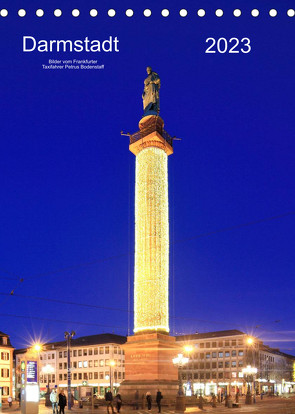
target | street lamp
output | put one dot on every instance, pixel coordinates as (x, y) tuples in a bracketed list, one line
[(47, 369), (248, 374), (179, 362), (188, 349), (112, 364), (68, 337)]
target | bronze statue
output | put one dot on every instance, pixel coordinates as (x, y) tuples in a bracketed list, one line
[(150, 96)]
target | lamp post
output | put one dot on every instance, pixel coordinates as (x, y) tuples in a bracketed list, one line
[(47, 369), (248, 374), (179, 362), (188, 349), (112, 364), (69, 336)]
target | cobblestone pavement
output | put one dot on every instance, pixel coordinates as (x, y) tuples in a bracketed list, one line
[(267, 406)]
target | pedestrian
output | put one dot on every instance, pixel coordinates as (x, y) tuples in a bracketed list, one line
[(118, 402), (261, 395), (19, 398), (109, 399), (213, 400), (54, 401), (237, 397), (136, 399), (62, 401), (9, 399), (221, 397), (158, 400), (149, 400)]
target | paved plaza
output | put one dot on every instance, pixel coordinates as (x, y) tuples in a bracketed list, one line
[(267, 406)]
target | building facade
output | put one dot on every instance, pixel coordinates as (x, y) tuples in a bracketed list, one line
[(90, 364), (217, 360), (6, 365)]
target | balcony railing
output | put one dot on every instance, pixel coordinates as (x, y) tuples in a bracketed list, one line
[(150, 127)]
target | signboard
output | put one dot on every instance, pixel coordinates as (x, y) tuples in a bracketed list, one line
[(32, 370)]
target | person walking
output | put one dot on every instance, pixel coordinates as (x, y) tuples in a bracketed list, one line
[(54, 401), (109, 400), (149, 400), (9, 399), (62, 401), (118, 402), (159, 397)]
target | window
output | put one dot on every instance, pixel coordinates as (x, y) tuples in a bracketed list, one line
[(213, 375), (227, 375), (75, 364), (241, 353), (201, 345), (220, 375), (4, 340), (213, 364), (119, 350), (53, 377), (79, 352), (85, 352), (101, 362), (75, 353), (95, 351), (65, 365), (107, 349), (90, 375), (5, 356), (196, 375), (202, 365), (201, 355), (207, 344), (101, 375), (220, 354), (226, 364), (60, 377), (119, 375), (65, 354), (85, 364), (101, 350), (207, 365), (41, 357), (234, 375), (213, 344), (227, 354), (85, 376), (241, 375), (115, 350), (80, 375), (75, 375), (96, 362), (240, 363), (202, 375), (196, 366), (80, 364), (96, 375), (4, 372), (49, 356), (220, 364), (220, 344), (89, 351), (207, 355), (60, 365), (107, 362), (226, 343), (214, 354), (233, 364), (90, 364), (119, 362), (234, 343), (233, 353), (60, 354), (65, 376), (52, 356), (207, 375)]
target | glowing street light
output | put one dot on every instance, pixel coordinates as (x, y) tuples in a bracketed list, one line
[(250, 340), (179, 362), (249, 373), (37, 347)]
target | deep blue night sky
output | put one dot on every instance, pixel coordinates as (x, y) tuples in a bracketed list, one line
[(67, 177)]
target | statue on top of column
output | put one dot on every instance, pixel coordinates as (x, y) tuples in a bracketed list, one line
[(150, 96)]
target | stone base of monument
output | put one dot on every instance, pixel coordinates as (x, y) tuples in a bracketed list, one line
[(149, 368), (180, 404)]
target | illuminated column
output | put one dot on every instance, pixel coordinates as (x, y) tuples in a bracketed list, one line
[(151, 145)]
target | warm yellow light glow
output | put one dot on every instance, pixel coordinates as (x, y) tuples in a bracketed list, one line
[(188, 349), (112, 363), (151, 242), (250, 341), (37, 347)]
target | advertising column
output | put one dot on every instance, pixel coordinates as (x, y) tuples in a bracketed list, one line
[(29, 387)]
